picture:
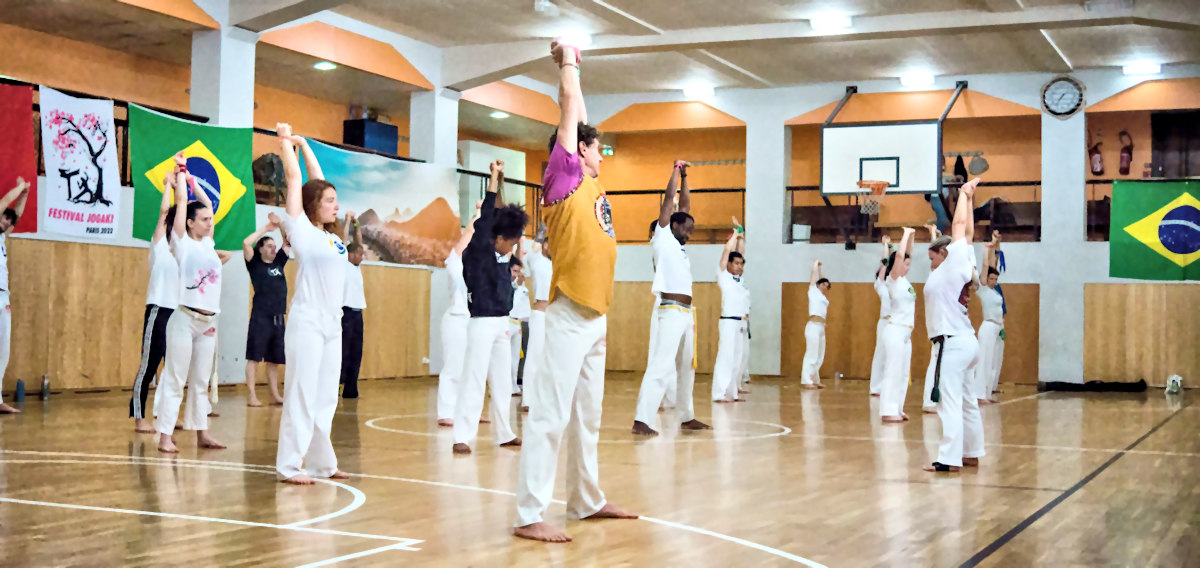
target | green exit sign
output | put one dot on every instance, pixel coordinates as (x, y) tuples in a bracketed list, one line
[(606, 150)]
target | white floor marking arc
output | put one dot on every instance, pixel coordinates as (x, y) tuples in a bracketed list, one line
[(783, 431), (338, 559)]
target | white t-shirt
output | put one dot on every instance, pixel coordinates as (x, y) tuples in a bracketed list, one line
[(520, 309), (541, 270), (355, 296), (903, 301), (945, 316), (3, 261), (993, 304), (735, 298), (199, 273), (163, 289), (673, 269), (321, 278), (458, 286), (885, 300), (818, 304)]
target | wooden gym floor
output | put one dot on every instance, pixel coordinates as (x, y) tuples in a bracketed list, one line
[(791, 477)]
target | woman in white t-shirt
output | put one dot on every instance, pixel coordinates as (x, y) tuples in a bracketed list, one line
[(897, 335), (192, 329), (313, 340), (987, 370), (814, 330), (162, 297), (885, 307), (12, 206), (454, 328)]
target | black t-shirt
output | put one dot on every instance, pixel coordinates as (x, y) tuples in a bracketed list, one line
[(270, 285)]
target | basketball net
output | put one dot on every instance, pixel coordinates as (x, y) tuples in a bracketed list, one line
[(870, 196)]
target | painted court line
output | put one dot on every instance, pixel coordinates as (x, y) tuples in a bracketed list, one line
[(783, 431), (354, 555)]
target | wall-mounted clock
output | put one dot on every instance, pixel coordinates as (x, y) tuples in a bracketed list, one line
[(1062, 96)]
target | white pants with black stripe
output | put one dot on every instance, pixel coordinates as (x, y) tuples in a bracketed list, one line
[(191, 342), (154, 348), (670, 362), (489, 353), (312, 345), (566, 397), (454, 353)]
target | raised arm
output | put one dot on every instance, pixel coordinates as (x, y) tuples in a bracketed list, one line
[(934, 233), (570, 96), (668, 205), (15, 198), (685, 194), (248, 242), (886, 241), (964, 212), (310, 160), (900, 269), (816, 273), (496, 181), (181, 200), (992, 260), (160, 229), (730, 246), (294, 203), (201, 195), (287, 246), (353, 228)]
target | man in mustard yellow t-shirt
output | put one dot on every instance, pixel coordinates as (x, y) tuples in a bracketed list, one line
[(569, 390)]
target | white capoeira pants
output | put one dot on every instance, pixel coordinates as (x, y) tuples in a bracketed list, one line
[(312, 344), (514, 341), (897, 344), (567, 395), (535, 349), (191, 342), (814, 352), (6, 333), (670, 362), (877, 360), (999, 365), (987, 371), (927, 402), (962, 425), (668, 398), (731, 358), (746, 355), (487, 367), (454, 352)]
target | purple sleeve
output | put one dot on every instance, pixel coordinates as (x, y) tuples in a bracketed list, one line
[(563, 174)]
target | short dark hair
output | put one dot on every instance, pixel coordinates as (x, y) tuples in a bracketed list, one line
[(824, 281), (679, 218), (516, 262), (353, 248), (11, 215), (653, 227), (257, 246), (510, 222), (992, 270), (734, 255), (939, 244), (585, 133)]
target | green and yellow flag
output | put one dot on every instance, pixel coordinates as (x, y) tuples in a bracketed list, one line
[(1155, 231), (218, 157)]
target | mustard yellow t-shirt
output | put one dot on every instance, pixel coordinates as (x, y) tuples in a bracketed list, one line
[(579, 233)]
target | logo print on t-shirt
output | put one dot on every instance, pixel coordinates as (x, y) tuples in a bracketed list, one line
[(204, 278), (604, 215), (337, 244), (274, 272)]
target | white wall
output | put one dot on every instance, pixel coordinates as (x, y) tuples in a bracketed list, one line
[(476, 156)]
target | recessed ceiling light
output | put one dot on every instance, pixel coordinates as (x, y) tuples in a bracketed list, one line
[(499, 114), (698, 92), (917, 80), (576, 38), (1142, 68), (827, 22), (324, 66)]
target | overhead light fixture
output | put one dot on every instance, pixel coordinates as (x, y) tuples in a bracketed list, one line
[(828, 22), (917, 80), (1142, 68), (499, 115), (324, 66), (575, 38), (698, 92)]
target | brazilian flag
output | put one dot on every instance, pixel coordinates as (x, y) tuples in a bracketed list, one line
[(1155, 231), (219, 158)]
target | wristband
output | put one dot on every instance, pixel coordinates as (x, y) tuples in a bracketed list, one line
[(739, 230)]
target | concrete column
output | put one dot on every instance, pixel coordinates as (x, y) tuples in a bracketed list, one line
[(1064, 209), (222, 86), (768, 159), (433, 126)]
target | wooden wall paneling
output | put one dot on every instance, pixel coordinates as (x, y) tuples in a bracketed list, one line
[(396, 322), (31, 299), (1021, 325), (1141, 330), (629, 325)]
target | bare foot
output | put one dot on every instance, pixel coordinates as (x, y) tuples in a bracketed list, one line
[(300, 480), (277, 402), (904, 415), (339, 474), (743, 391), (254, 402), (203, 440), (166, 444), (541, 532), (484, 421), (983, 401), (739, 400), (513, 443), (179, 425), (892, 419), (446, 422), (725, 400), (524, 408), (142, 426), (875, 394), (610, 511), (937, 467), (694, 424), (820, 386), (6, 409), (970, 462), (213, 414), (809, 387), (997, 391), (929, 410), (641, 429), (462, 449)]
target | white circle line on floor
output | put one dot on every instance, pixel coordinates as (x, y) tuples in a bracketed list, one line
[(783, 431)]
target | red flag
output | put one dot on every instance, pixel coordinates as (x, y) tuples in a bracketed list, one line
[(17, 155)]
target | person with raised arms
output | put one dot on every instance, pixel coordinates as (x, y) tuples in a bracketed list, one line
[(162, 297), (268, 312), (814, 330), (897, 335), (885, 306), (13, 206), (733, 325)]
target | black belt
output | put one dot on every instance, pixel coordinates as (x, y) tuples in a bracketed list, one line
[(738, 318), (352, 309), (935, 394)]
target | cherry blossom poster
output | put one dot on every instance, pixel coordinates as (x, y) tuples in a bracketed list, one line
[(82, 196)]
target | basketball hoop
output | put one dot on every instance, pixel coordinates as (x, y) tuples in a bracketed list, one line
[(870, 196)]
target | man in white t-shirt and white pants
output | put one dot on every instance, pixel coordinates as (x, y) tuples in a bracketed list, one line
[(814, 330), (673, 358), (946, 294), (732, 343), (8, 220)]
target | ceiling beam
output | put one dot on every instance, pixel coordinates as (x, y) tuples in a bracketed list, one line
[(622, 21), (266, 14), (1003, 5), (724, 67)]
